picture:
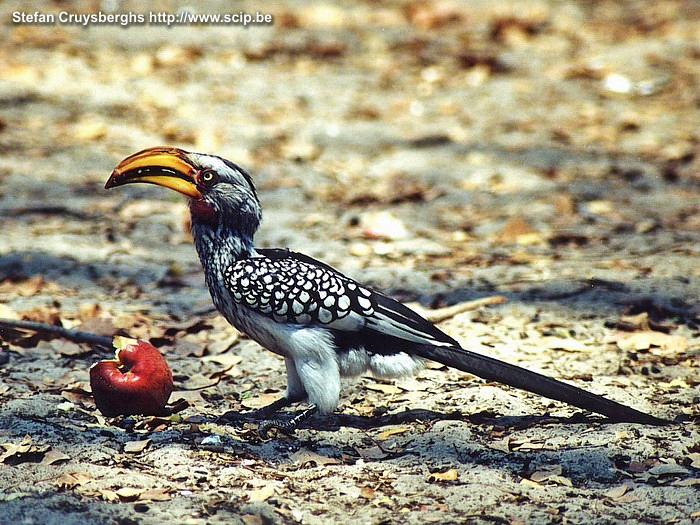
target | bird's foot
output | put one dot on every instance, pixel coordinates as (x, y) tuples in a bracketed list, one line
[(233, 416), (275, 406), (286, 426)]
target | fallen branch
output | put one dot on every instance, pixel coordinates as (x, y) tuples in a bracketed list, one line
[(434, 316), (447, 312), (72, 335)]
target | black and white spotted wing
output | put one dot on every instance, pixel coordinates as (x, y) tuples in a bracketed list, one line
[(293, 290), (292, 287)]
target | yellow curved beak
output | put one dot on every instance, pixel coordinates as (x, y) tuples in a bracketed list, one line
[(167, 167)]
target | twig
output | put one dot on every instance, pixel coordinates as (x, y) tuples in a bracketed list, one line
[(219, 375), (440, 314), (44, 209), (72, 335)]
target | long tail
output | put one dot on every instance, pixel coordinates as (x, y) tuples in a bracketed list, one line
[(502, 372)]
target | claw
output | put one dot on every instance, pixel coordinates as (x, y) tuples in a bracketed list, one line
[(287, 427), (232, 416)]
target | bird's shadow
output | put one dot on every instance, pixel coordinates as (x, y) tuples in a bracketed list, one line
[(334, 422)]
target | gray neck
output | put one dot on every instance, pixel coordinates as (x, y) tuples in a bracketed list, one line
[(217, 251), (222, 238), (219, 247), (223, 231)]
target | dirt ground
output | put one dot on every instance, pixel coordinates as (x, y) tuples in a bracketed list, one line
[(543, 152)]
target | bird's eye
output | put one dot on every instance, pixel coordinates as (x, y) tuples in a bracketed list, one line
[(208, 178)]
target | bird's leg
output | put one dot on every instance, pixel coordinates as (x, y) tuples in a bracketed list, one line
[(286, 426), (294, 393)]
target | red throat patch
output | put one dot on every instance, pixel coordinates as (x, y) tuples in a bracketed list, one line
[(202, 211)]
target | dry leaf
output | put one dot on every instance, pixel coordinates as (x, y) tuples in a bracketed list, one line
[(637, 467), (566, 345), (600, 207), (546, 472), (392, 432), (42, 314), (77, 395), (448, 475), (367, 493), (109, 495), (186, 348), (261, 494), (518, 230), (648, 339), (8, 313), (233, 371), (371, 453), (99, 326), (694, 459), (628, 498), (89, 130), (387, 389), (160, 494), (219, 347), (382, 225), (129, 493), (636, 322), (192, 397), (253, 519), (304, 456), (530, 446), (690, 482), (550, 473), (73, 479), (674, 383), (88, 311), (156, 423), (412, 384), (54, 456), (561, 480), (502, 444), (198, 381), (12, 449), (136, 446), (616, 492), (530, 483), (667, 469), (564, 204), (69, 348), (31, 286), (226, 359), (259, 401)]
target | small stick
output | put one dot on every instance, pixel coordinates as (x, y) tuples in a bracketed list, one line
[(434, 316), (447, 312), (72, 335)]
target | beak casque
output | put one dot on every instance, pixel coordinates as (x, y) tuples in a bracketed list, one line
[(168, 167)]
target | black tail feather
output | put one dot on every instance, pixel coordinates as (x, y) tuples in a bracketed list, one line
[(515, 376)]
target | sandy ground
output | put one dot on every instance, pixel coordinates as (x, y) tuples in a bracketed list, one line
[(545, 152)]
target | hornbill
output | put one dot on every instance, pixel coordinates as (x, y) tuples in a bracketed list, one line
[(325, 324)]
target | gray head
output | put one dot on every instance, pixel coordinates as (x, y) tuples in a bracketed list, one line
[(222, 197)]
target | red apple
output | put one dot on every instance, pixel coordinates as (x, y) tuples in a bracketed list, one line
[(138, 381)]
